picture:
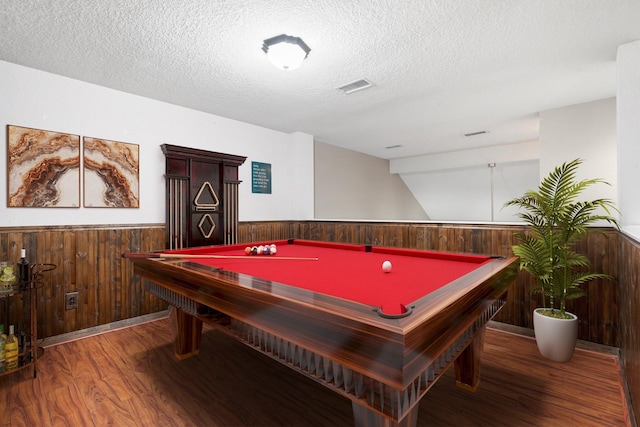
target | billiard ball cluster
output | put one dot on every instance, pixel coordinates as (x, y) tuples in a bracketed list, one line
[(261, 250)]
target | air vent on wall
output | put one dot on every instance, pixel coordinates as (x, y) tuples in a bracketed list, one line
[(355, 86)]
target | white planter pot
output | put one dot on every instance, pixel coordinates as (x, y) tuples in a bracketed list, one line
[(556, 338)]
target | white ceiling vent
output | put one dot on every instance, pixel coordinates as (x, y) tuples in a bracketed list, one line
[(355, 86)]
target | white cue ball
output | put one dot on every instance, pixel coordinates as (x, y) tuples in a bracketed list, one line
[(386, 266)]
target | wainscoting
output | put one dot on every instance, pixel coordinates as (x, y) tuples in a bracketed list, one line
[(629, 330), (89, 260), (598, 312)]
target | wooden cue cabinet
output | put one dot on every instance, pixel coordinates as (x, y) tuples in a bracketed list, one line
[(201, 197), (19, 307)]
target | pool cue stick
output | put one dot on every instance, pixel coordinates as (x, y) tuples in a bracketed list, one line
[(187, 256), (178, 256)]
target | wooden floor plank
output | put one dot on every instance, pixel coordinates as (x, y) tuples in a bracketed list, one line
[(65, 408), (129, 377)]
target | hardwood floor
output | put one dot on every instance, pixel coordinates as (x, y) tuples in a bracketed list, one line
[(129, 377)]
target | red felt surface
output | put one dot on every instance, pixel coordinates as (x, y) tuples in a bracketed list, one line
[(347, 271)]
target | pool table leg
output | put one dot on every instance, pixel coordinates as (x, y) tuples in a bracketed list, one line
[(187, 332), (467, 365), (365, 417)]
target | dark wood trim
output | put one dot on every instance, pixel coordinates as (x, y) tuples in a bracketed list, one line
[(102, 329), (212, 156), (39, 228)]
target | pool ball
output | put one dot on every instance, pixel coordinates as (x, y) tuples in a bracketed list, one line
[(386, 266), (266, 250), (247, 250)]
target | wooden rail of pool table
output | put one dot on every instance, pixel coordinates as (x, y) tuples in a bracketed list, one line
[(384, 366)]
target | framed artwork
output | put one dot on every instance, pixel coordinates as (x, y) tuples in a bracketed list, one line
[(43, 168), (261, 177), (111, 174)]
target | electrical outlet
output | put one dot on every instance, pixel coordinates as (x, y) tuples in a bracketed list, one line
[(71, 300)]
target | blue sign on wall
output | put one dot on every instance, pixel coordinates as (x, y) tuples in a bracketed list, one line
[(261, 178)]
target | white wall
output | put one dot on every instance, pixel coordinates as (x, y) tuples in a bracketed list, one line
[(475, 193), (628, 100), (448, 187), (586, 131), (460, 186), (350, 185), (36, 99)]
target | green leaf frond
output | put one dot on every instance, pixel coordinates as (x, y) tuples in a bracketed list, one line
[(575, 259), (575, 293), (580, 279)]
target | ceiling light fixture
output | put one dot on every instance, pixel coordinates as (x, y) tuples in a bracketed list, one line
[(286, 52)]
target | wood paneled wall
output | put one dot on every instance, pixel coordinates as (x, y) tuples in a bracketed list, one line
[(89, 261), (598, 312), (629, 329)]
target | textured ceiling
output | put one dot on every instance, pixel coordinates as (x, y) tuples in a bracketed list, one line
[(441, 68)]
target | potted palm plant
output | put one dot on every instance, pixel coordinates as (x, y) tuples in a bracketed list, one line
[(557, 220)]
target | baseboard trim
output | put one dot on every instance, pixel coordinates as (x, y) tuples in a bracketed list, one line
[(102, 329)]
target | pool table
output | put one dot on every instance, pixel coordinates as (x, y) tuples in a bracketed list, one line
[(330, 312)]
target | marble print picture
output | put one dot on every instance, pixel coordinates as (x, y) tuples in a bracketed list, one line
[(111, 173), (43, 168)]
